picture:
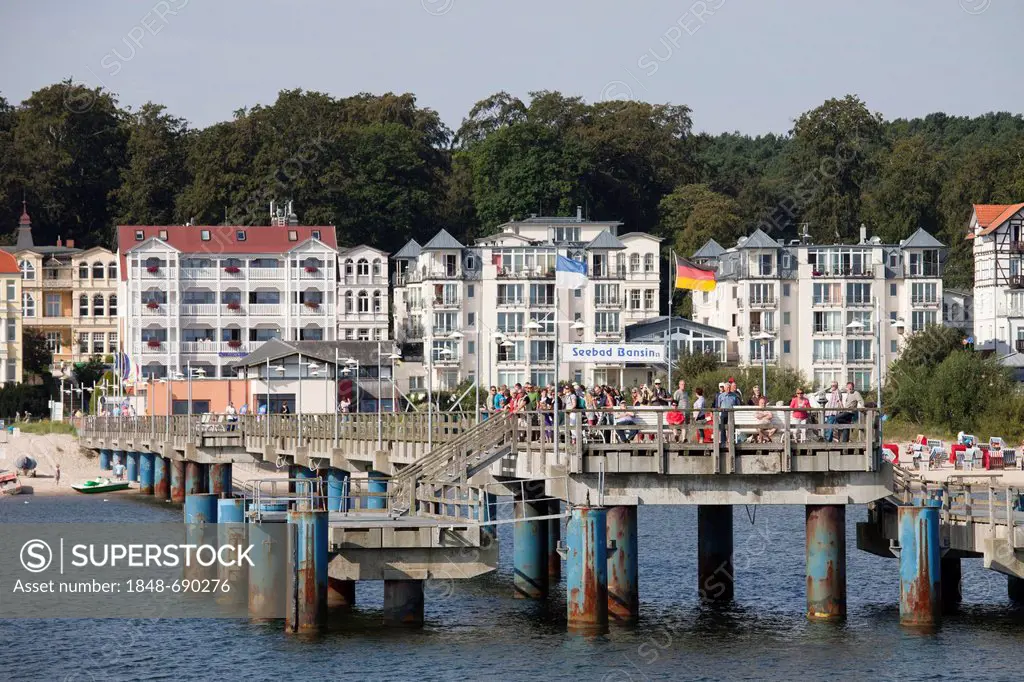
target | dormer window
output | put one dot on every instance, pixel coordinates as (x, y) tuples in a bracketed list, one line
[(204, 235), (163, 235), (240, 235), (139, 235), (293, 236), (316, 234)]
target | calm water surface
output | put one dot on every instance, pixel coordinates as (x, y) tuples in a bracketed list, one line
[(479, 632)]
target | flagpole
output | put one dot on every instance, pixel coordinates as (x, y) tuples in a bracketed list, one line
[(671, 289), (557, 363)]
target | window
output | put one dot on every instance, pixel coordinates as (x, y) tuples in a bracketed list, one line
[(919, 319), (350, 334), (925, 263), (240, 235), (83, 271), (785, 318), (761, 294), (894, 346), (649, 262), (787, 263), (293, 236), (163, 235), (349, 302), (649, 299), (542, 351), (52, 302), (377, 308), (858, 350), (863, 317), (363, 302), (98, 270), (542, 294), (861, 379), (112, 270), (765, 265), (546, 322), (634, 262), (516, 352), (759, 349), (83, 305), (785, 347), (542, 378), (12, 330), (204, 235), (97, 342), (10, 290), (112, 341), (97, 305), (139, 235), (829, 322), (827, 350), (510, 294), (858, 294), (894, 260), (112, 306), (827, 294), (311, 334), (363, 267), (471, 347), (83, 342), (471, 320), (28, 271), (825, 377), (924, 293), (53, 342), (28, 305), (510, 323), (785, 290), (892, 289), (470, 291), (634, 299), (606, 323), (608, 294), (565, 234)]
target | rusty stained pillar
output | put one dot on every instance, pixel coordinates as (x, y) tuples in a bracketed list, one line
[(529, 550), (178, 476), (200, 529), (306, 609), (826, 561), (715, 574), (194, 478), (920, 566), (623, 571), (554, 535), (161, 478), (220, 479), (232, 532), (586, 570), (268, 573)]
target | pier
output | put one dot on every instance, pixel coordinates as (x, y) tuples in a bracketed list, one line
[(409, 497)]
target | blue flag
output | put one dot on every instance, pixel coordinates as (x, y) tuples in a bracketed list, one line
[(570, 274)]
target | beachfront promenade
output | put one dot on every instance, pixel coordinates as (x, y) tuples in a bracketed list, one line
[(400, 492)]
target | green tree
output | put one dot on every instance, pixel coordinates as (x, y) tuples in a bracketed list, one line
[(88, 373), (905, 193), (37, 358), (155, 169), (693, 214)]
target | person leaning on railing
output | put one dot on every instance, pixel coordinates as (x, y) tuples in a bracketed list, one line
[(852, 401)]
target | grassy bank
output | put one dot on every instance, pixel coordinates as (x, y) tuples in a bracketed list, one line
[(47, 427)]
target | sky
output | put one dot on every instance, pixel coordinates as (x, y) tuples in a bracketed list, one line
[(741, 65)]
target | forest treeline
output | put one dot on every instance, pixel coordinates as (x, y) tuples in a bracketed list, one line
[(384, 169)]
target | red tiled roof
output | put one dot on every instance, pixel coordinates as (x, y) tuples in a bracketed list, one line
[(991, 216), (223, 238), (8, 264)]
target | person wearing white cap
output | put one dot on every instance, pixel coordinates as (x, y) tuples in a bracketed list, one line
[(661, 396)]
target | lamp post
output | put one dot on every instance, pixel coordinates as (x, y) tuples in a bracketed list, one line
[(352, 362), (394, 392), (457, 336), (857, 325), (763, 338)]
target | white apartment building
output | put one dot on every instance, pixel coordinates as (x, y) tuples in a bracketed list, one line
[(996, 232), (487, 313), (815, 307), (209, 295), (363, 294)]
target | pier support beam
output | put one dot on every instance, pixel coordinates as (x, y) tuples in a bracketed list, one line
[(530, 548), (178, 481), (920, 566), (1015, 589), (200, 529), (105, 464), (490, 513), (826, 561), (554, 535), (268, 573), (193, 479), (623, 568), (715, 574), (951, 589), (586, 569), (293, 473), (146, 473), (337, 490), (307, 574), (161, 478), (133, 466), (377, 487), (231, 532), (306, 488), (340, 593), (403, 603), (220, 480), (119, 457)]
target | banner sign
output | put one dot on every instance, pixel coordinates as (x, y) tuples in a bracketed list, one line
[(613, 352)]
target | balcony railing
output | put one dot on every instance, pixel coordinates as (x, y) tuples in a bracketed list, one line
[(57, 283), (769, 302), (926, 270), (264, 274), (606, 303), (160, 272), (827, 302), (412, 333), (859, 301), (319, 273), (379, 280), (447, 303), (199, 309), (844, 273), (443, 331), (608, 273), (1016, 247), (215, 347), (264, 309), (541, 301), (525, 273), (511, 301), (200, 273), (924, 302), (307, 310), (161, 348), (828, 329)]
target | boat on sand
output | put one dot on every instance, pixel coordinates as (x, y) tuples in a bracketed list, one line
[(99, 485), (9, 483)]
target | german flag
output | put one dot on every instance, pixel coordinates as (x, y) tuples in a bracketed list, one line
[(692, 276)]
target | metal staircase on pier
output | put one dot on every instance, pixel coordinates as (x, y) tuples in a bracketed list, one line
[(453, 462)]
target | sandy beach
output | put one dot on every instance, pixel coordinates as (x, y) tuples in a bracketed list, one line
[(78, 464)]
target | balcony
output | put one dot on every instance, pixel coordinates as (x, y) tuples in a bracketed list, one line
[(57, 282), (446, 360), (859, 301), (157, 348), (200, 273), (311, 310), (160, 272), (827, 330), (859, 360), (607, 304), (927, 270), (827, 302), (607, 333), (371, 280), (210, 347), (443, 331), (200, 310), (411, 332), (511, 302), (828, 360), (541, 302), (535, 273), (922, 302), (762, 303), (608, 273), (643, 274), (758, 329), (447, 303), (263, 274), (265, 310), (844, 273), (318, 273), (1016, 247)]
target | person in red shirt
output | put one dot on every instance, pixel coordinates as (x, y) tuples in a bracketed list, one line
[(801, 406)]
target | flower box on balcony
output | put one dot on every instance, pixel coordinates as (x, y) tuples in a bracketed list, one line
[(152, 269), (312, 268), (234, 305), (234, 343), (153, 343), (312, 305), (232, 270), (152, 305)]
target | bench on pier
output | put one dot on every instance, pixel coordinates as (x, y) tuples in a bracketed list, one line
[(746, 425)]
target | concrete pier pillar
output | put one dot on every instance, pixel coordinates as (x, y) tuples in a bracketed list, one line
[(161, 478), (337, 490), (220, 479), (1015, 589), (306, 488), (920, 566), (307, 572), (146, 473), (231, 532), (377, 489), (340, 593), (293, 473), (193, 479), (105, 463), (949, 568), (530, 549), (268, 573), (586, 569), (200, 529), (178, 481), (826, 561), (623, 566), (133, 466), (554, 535), (119, 457), (403, 603), (715, 574), (490, 513)]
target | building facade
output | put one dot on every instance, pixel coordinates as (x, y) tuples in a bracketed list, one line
[(488, 313), (11, 359), (363, 294), (816, 308), (996, 232), (205, 296), (69, 295)]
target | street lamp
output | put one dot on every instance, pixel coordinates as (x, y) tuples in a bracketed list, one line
[(394, 399), (763, 338), (352, 362), (457, 336)]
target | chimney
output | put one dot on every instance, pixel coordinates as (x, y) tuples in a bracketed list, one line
[(863, 233), (60, 242), (579, 214), (71, 243)]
